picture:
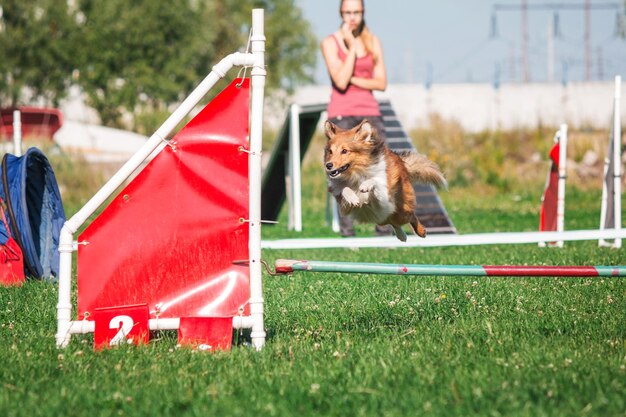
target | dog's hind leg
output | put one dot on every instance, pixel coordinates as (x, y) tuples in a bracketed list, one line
[(418, 227), (399, 233)]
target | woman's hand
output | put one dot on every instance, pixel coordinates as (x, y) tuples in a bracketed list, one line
[(348, 37)]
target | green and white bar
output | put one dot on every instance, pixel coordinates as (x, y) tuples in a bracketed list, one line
[(286, 266)]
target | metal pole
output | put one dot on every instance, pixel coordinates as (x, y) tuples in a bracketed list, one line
[(550, 48), (525, 65), (587, 40)]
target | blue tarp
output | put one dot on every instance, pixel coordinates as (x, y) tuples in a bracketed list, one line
[(34, 211)]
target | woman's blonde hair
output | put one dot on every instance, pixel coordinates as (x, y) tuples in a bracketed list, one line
[(368, 38)]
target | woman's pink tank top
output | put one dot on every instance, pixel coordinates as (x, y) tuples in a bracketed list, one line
[(354, 101)]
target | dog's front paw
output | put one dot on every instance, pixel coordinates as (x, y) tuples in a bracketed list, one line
[(366, 186), (350, 197)]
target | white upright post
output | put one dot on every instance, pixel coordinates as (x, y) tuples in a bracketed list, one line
[(295, 170), (256, 129), (17, 133), (615, 151), (617, 161), (560, 208), (604, 202)]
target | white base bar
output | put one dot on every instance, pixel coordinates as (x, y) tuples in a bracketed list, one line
[(89, 326), (444, 240)]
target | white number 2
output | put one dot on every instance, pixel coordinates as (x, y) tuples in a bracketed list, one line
[(126, 323)]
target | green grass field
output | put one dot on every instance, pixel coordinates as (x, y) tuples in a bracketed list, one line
[(352, 345)]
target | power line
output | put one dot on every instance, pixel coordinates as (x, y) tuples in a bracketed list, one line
[(555, 6), (524, 7)]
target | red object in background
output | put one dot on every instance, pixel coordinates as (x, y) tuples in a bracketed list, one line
[(121, 325), (11, 257), (170, 237), (549, 203), (37, 122), (206, 333)]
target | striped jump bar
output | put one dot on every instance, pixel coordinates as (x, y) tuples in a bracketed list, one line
[(286, 266)]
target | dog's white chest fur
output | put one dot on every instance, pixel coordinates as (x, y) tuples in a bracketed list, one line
[(365, 197)]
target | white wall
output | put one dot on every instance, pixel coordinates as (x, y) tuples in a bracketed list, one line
[(479, 106)]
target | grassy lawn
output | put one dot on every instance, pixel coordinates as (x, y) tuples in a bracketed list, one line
[(351, 345)]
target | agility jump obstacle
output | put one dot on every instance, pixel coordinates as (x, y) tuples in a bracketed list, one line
[(552, 214), (162, 255), (287, 266)]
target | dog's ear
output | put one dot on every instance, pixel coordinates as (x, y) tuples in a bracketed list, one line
[(365, 131), (330, 129)]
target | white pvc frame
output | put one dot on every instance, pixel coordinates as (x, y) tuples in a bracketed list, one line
[(17, 133), (294, 170), (255, 59), (444, 240), (560, 207), (617, 172)]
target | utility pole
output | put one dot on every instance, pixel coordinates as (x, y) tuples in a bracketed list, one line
[(524, 8), (600, 64), (525, 69), (587, 40), (550, 57)]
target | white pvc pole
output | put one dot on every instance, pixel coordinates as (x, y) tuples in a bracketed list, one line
[(560, 209), (604, 200), (17, 133), (89, 326), (616, 139), (256, 137), (444, 240), (66, 243), (295, 169), (617, 163)]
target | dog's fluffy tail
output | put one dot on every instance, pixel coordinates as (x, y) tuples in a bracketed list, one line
[(422, 169)]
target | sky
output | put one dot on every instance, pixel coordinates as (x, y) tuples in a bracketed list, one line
[(450, 41)]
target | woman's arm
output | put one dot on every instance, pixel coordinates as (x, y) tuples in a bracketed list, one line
[(379, 79), (340, 71)]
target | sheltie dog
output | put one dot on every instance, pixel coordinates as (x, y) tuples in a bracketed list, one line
[(373, 184)]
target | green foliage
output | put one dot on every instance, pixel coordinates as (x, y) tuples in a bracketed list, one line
[(140, 57), (508, 159), (37, 45)]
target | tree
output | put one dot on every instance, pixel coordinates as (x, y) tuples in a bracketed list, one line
[(36, 61), (150, 53), (144, 54)]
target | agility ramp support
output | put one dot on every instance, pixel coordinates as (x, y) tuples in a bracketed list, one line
[(254, 59), (286, 266)]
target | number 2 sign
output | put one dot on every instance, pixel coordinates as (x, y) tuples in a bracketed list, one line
[(121, 325)]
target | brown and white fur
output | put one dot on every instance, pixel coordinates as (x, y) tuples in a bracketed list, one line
[(373, 184)]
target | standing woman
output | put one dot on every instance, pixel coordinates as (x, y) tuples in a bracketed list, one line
[(354, 59)]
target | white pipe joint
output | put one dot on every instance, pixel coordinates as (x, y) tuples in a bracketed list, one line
[(243, 322), (237, 58)]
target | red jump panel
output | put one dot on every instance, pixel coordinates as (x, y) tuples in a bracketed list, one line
[(169, 238)]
